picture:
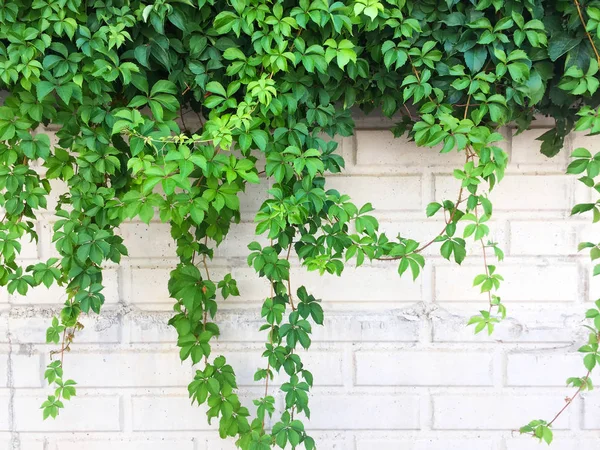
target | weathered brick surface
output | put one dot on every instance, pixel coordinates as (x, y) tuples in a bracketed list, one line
[(395, 366)]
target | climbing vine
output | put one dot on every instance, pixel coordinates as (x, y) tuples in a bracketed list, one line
[(167, 110)]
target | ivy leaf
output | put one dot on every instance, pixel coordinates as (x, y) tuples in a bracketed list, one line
[(559, 44)]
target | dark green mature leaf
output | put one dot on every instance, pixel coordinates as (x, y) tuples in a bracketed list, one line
[(559, 44)]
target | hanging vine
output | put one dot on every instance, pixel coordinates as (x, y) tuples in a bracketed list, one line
[(275, 81)]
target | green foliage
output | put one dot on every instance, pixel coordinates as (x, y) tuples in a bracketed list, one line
[(270, 81)]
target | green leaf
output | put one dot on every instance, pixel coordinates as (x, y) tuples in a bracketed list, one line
[(559, 44)]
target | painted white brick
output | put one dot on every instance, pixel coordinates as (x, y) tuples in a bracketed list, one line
[(83, 413), (166, 413), (424, 368), (389, 192), (378, 148), (475, 443), (528, 443), (493, 412), (27, 370), (127, 444), (387, 326), (520, 326), (339, 441), (3, 370), (581, 139), (144, 243), (376, 282), (543, 369), (147, 285), (55, 295), (340, 326), (241, 235), (29, 249), (26, 329), (542, 238), (377, 412), (31, 444), (516, 192), (556, 282), (591, 411), (525, 150), (253, 198), (4, 404), (132, 369)]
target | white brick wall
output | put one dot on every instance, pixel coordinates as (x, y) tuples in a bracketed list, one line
[(395, 367)]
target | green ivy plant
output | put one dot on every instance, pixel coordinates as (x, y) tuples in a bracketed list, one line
[(270, 84)]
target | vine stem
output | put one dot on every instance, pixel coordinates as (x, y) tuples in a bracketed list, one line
[(570, 400), (485, 264), (418, 75), (448, 222), (589, 36), (205, 318), (268, 360), (289, 283)]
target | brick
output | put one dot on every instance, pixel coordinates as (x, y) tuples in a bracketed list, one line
[(83, 413), (148, 241), (520, 326), (31, 444), (3, 370), (166, 413), (493, 412), (151, 327), (236, 243), (338, 442), (253, 198), (542, 238), (543, 370), (147, 285), (370, 282), (132, 369), (531, 193), (377, 412), (27, 370), (56, 295), (3, 295), (340, 326), (525, 150), (4, 417), (424, 230), (475, 443), (384, 326), (424, 368), (392, 193), (378, 148), (127, 444), (581, 139), (591, 411), (29, 249), (527, 282), (26, 329), (559, 443)]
